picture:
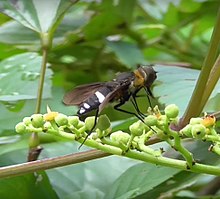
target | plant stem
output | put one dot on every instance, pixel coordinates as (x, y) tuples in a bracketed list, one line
[(46, 43), (39, 165), (194, 108), (21, 169), (212, 81)]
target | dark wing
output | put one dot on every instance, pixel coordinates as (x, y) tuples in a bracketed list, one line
[(116, 94), (81, 93)]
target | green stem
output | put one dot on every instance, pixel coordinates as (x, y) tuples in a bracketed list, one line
[(179, 147), (21, 169), (46, 44), (212, 81), (194, 108)]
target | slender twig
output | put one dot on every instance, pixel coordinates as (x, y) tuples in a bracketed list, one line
[(45, 50), (39, 165)]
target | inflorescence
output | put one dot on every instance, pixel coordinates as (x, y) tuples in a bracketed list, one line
[(157, 125)]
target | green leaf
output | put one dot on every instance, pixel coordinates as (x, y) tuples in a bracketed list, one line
[(175, 85), (127, 53), (32, 186), (39, 16), (126, 9), (19, 78), (86, 180), (139, 179), (14, 33), (107, 21)]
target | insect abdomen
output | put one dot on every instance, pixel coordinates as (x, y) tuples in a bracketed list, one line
[(94, 101)]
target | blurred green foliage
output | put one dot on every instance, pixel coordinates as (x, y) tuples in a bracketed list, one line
[(93, 40)]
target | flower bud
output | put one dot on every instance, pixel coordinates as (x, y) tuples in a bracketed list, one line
[(37, 120), (27, 121), (150, 120), (103, 122), (80, 124), (187, 130), (137, 128), (120, 137), (89, 123), (198, 131), (61, 119), (47, 125), (162, 120), (20, 127), (195, 120), (73, 120), (171, 111)]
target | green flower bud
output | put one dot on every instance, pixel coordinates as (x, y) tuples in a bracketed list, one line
[(89, 123), (103, 122), (151, 120), (80, 124), (137, 128), (198, 131), (37, 120), (120, 137), (187, 130), (73, 120), (47, 125), (61, 119), (20, 127), (196, 120), (27, 121), (162, 120), (171, 111)]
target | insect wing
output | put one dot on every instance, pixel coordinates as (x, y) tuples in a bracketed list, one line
[(81, 93), (115, 94)]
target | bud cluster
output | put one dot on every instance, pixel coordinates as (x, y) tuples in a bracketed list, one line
[(156, 124)]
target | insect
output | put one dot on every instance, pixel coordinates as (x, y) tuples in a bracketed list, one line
[(124, 87)]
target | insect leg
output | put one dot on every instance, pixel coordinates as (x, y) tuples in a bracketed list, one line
[(149, 93), (134, 102), (116, 107), (93, 127)]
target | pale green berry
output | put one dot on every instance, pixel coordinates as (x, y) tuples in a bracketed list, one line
[(27, 120), (89, 123), (171, 111), (37, 120), (195, 120), (198, 131), (103, 122), (151, 120), (137, 128), (20, 127), (61, 119), (120, 137), (73, 120), (187, 130)]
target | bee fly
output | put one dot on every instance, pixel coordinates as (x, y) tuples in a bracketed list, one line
[(125, 86)]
